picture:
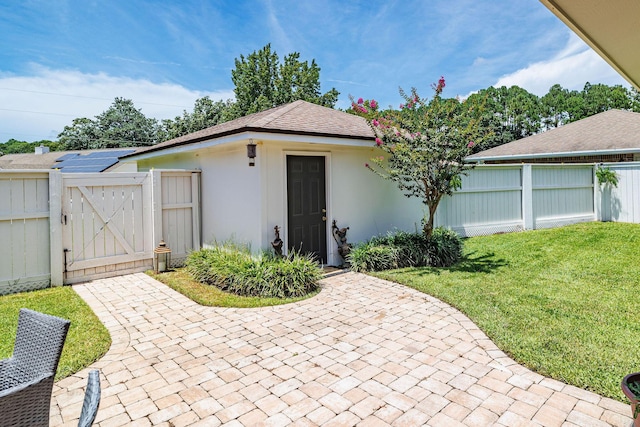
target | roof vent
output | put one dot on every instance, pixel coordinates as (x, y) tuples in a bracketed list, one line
[(42, 149)]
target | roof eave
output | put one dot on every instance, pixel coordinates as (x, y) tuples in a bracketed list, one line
[(569, 22), (558, 154), (245, 134)]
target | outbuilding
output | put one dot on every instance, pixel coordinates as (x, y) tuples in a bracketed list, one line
[(299, 167)]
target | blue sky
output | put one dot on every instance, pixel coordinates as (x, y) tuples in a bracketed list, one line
[(62, 59)]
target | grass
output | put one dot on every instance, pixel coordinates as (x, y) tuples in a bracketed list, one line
[(87, 340), (563, 302), (180, 280)]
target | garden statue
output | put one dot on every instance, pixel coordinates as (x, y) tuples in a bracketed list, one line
[(277, 243), (340, 236)]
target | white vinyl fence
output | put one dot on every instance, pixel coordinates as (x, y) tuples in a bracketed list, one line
[(506, 198), (24, 230), (621, 204), (66, 228)]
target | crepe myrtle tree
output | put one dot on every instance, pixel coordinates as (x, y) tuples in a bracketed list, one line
[(424, 142)]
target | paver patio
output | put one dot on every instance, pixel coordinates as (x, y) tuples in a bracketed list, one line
[(363, 352)]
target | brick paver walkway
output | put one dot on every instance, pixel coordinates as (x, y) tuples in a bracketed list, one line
[(363, 352)]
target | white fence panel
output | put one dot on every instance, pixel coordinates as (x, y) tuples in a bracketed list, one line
[(623, 203), (562, 194), (506, 198), (489, 202), (180, 194), (24, 228)]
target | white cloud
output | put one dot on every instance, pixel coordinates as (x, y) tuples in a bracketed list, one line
[(572, 67), (40, 105)]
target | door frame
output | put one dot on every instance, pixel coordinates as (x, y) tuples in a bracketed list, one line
[(328, 189)]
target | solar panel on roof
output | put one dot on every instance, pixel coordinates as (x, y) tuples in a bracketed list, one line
[(66, 157), (92, 162), (85, 164), (114, 153)]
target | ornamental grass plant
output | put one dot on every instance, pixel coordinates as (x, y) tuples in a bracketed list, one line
[(233, 268), (403, 249)]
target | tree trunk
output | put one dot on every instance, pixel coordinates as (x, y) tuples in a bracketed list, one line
[(428, 225)]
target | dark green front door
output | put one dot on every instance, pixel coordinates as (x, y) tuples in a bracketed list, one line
[(306, 200)]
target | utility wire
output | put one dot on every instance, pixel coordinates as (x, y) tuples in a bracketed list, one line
[(37, 112)]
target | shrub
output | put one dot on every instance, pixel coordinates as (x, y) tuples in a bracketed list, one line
[(372, 256), (445, 247), (402, 249), (413, 248), (232, 268)]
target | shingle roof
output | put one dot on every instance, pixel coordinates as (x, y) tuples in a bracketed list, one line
[(51, 160), (29, 160), (298, 117), (613, 130)]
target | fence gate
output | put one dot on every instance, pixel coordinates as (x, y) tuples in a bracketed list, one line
[(107, 224), (177, 212)]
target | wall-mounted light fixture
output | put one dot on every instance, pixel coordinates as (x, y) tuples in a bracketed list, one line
[(251, 152)]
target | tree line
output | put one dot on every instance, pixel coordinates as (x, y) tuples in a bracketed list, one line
[(262, 81), (513, 113)]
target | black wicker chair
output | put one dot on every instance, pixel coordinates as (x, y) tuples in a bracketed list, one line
[(26, 378), (91, 400)]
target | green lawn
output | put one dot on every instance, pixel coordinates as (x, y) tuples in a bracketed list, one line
[(87, 340), (563, 302), (180, 280)]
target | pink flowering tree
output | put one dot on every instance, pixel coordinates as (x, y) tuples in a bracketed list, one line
[(424, 145)]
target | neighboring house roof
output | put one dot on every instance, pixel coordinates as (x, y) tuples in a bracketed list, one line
[(298, 117), (610, 132), (30, 160), (609, 27), (66, 161)]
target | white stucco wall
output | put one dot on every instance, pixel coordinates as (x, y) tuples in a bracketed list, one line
[(245, 203), (231, 197), (230, 188), (123, 167), (356, 197)]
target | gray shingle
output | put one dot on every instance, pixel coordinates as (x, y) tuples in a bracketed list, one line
[(298, 117)]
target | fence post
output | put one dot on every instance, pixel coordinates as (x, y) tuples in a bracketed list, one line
[(527, 197), (55, 228), (195, 209), (597, 197), (156, 205)]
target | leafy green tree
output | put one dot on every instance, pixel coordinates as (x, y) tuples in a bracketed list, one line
[(600, 97), (554, 107), (425, 143), (262, 82), (561, 106), (507, 114), (121, 125), (206, 113), (81, 135), (13, 146), (634, 98)]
